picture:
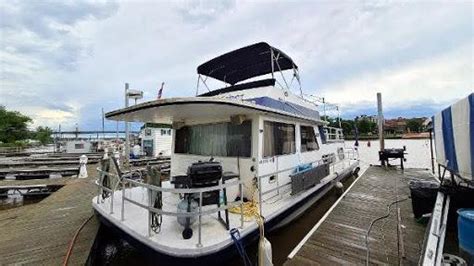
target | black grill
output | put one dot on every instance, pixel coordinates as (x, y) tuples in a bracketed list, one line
[(204, 174)]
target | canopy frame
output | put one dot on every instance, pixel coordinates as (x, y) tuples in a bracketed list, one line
[(211, 68)]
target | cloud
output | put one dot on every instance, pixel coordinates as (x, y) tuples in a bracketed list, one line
[(39, 40), (436, 81), (80, 54)]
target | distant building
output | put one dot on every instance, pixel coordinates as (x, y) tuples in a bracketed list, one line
[(156, 139), (78, 146), (395, 126)]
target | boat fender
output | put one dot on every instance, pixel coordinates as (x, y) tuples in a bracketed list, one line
[(265, 252), (356, 171), (340, 188)]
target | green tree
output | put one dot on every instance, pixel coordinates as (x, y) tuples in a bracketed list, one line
[(365, 126), (333, 121), (43, 135), (347, 126), (415, 124), (13, 126)]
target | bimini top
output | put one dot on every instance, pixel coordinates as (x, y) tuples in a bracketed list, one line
[(247, 62)]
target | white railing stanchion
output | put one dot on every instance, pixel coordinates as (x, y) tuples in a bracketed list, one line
[(111, 201), (260, 195), (199, 228), (241, 206), (149, 211), (123, 200)]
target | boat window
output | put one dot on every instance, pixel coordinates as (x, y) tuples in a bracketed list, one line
[(278, 139), (222, 139), (308, 139)]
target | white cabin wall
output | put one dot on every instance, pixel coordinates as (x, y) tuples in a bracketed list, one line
[(289, 161), (276, 163), (162, 144)]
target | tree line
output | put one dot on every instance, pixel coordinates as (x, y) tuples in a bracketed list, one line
[(366, 126), (14, 129)]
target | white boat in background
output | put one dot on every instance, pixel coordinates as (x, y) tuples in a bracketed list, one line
[(249, 141)]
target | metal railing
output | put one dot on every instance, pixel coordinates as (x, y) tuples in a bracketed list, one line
[(350, 156), (334, 134), (124, 181)]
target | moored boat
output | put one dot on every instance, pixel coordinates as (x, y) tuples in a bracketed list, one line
[(250, 148)]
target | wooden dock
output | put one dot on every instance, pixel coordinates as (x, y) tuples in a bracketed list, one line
[(40, 233), (25, 173), (340, 236)]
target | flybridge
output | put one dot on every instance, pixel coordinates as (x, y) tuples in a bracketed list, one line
[(248, 62)]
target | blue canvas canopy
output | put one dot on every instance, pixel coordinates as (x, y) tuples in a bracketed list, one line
[(247, 62), (454, 137)]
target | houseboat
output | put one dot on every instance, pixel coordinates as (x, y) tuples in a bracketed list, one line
[(251, 149)]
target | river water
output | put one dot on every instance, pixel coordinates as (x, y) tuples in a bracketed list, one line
[(113, 250)]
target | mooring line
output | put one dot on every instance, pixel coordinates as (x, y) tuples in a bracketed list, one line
[(73, 241)]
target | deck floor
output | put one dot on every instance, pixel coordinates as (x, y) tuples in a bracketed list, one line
[(31, 182), (340, 239), (40, 233)]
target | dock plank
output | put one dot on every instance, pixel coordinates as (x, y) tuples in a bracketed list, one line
[(340, 239), (40, 233)]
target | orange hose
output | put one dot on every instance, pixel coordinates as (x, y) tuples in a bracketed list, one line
[(73, 240)]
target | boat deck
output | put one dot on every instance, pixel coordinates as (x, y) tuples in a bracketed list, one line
[(340, 237), (170, 241), (40, 233)]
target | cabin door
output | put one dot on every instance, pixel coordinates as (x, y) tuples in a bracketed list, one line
[(279, 157)]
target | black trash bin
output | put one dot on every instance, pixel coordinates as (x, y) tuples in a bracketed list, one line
[(423, 197)]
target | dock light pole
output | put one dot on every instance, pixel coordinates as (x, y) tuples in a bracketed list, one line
[(129, 94), (127, 137), (380, 120)]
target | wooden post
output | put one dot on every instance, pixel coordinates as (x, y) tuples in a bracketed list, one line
[(380, 120), (431, 151)]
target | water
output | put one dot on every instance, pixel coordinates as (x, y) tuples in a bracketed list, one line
[(418, 151), (113, 250)]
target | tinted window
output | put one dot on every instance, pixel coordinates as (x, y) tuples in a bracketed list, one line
[(222, 139), (278, 139), (308, 139)]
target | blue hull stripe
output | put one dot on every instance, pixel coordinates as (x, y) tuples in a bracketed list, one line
[(448, 138), (471, 130)]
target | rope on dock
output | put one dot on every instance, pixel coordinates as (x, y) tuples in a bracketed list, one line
[(73, 240), (372, 224)]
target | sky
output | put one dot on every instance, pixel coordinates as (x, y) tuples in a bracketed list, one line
[(61, 62)]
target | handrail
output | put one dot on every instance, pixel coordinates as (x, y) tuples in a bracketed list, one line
[(288, 169), (149, 207), (185, 214), (183, 190)]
